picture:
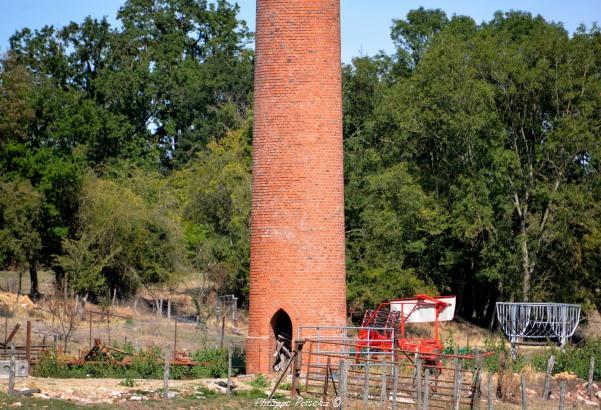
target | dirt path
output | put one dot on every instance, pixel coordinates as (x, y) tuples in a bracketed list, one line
[(112, 391)]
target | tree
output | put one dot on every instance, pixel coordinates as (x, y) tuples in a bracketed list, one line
[(124, 242), (20, 242), (414, 34), (217, 214)]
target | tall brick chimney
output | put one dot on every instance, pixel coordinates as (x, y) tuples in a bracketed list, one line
[(297, 271)]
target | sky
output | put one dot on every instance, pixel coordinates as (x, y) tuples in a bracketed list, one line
[(365, 23)]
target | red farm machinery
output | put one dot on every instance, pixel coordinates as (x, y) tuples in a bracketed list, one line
[(385, 327)]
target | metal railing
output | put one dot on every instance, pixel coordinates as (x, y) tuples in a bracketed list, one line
[(346, 340), (551, 321)]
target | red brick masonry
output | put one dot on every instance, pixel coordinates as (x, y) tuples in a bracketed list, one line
[(297, 230)]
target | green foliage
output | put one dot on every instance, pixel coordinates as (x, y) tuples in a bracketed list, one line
[(573, 359), (20, 209), (471, 156), (260, 382), (125, 242), (217, 227), (127, 382), (146, 364), (490, 138)]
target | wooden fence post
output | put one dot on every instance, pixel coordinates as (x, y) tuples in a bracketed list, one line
[(90, 329), (342, 370), (326, 381), (175, 339), (383, 392), (456, 385), (524, 393), (28, 346), (229, 369), (426, 400), (591, 373), (502, 364), (418, 382), (166, 376), (395, 384), (547, 387), (562, 395), (489, 397), (476, 393), (296, 369), (366, 383), (11, 371), (222, 331)]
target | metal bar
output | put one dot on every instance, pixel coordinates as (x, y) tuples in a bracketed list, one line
[(12, 334)]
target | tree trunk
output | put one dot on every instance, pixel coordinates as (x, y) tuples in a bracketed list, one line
[(525, 261), (34, 292)]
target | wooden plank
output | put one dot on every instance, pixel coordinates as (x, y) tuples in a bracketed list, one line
[(326, 382), (12, 334)]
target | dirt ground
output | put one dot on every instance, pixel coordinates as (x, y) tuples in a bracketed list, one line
[(130, 322), (112, 391)]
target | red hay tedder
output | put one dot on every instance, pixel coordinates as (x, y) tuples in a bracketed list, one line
[(380, 325)]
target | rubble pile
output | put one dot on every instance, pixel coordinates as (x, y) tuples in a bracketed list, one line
[(10, 301)]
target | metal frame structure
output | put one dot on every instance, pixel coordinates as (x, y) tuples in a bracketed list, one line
[(226, 304), (346, 338), (540, 321)]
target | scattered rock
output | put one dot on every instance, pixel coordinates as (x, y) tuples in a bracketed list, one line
[(565, 376), (589, 402), (223, 383), (136, 398), (216, 387), (27, 392), (16, 404)]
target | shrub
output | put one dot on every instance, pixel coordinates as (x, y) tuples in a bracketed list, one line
[(260, 382)]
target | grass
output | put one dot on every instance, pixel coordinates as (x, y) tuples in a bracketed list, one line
[(32, 403)]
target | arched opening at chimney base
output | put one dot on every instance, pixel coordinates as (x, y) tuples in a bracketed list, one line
[(281, 324)]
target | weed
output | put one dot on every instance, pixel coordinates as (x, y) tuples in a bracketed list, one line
[(260, 382), (127, 382)]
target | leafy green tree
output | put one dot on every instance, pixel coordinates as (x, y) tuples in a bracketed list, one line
[(134, 242), (20, 242), (218, 213), (83, 264), (414, 34)]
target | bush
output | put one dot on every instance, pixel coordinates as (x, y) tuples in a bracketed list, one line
[(146, 364), (574, 359), (260, 382)]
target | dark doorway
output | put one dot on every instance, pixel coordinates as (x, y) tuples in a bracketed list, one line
[(282, 332)]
